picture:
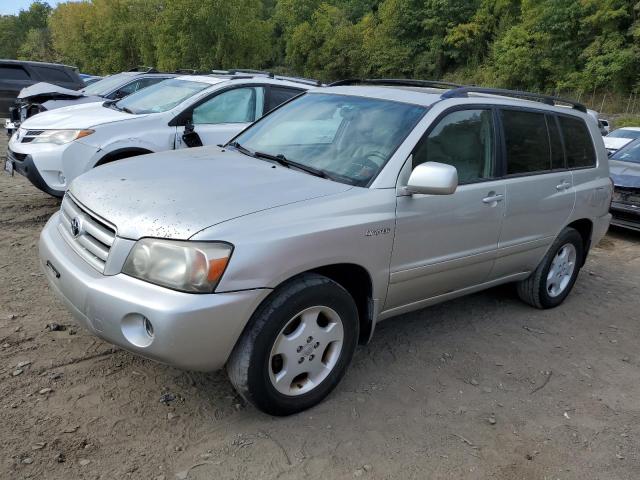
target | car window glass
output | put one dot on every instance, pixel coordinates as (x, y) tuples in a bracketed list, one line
[(233, 106), (527, 142), (106, 85), (13, 73), (463, 139), (279, 95), (53, 74), (348, 137), (624, 133), (137, 86), (557, 152), (162, 96), (630, 153), (577, 143)]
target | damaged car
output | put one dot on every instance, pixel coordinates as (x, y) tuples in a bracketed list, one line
[(53, 148), (625, 174), (46, 96)]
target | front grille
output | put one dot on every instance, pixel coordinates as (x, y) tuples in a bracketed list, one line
[(88, 235), (30, 135)]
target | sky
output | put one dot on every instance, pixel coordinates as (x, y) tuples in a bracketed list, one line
[(11, 7)]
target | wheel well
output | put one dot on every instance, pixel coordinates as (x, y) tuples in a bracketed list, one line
[(120, 154), (357, 281), (584, 226)]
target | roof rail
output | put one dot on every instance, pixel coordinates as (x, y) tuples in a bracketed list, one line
[(143, 69), (303, 80), (188, 71), (399, 82), (234, 71), (463, 92)]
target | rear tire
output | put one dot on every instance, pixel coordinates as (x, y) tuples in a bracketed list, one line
[(296, 347), (553, 279)]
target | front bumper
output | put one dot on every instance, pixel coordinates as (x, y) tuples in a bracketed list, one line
[(190, 331), (625, 215), (23, 164)]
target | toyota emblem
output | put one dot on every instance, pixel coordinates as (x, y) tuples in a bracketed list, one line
[(76, 226)]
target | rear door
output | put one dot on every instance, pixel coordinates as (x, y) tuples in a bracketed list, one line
[(13, 78), (540, 193)]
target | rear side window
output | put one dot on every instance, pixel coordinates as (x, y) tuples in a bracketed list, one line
[(527, 142), (9, 72), (53, 74), (577, 143), (279, 95)]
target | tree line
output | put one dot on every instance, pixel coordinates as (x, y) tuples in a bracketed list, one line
[(541, 45)]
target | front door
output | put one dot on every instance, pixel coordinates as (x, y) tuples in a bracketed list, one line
[(445, 243), (222, 116)]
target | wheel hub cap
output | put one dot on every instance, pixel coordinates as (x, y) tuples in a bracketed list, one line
[(306, 350), (561, 270)]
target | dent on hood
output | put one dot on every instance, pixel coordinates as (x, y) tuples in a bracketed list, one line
[(47, 91)]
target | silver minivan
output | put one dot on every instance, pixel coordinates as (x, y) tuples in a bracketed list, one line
[(276, 254)]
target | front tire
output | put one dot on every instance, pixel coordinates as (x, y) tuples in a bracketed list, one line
[(296, 347), (553, 279)]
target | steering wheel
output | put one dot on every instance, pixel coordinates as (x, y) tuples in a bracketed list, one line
[(364, 167)]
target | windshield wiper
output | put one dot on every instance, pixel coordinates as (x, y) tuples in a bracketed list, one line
[(241, 149), (282, 160), (127, 110)]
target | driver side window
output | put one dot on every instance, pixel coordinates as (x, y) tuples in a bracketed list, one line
[(463, 139), (240, 105)]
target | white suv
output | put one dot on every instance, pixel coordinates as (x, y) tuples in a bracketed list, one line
[(53, 148)]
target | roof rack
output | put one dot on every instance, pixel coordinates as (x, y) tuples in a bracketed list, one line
[(463, 92), (143, 69), (188, 71), (238, 73), (399, 82)]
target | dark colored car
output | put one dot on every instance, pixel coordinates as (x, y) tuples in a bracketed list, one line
[(624, 168), (45, 96), (17, 74)]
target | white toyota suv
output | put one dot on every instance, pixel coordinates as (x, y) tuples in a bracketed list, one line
[(53, 148)]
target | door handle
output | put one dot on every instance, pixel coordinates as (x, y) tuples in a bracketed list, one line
[(493, 198), (563, 186)]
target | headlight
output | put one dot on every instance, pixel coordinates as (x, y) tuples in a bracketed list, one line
[(180, 265), (60, 137)]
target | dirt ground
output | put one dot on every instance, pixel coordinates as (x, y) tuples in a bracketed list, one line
[(483, 387)]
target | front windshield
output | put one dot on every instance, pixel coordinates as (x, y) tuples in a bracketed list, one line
[(161, 97), (342, 136), (622, 133), (106, 85), (630, 153)]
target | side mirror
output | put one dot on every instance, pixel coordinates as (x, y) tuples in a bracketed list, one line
[(433, 178)]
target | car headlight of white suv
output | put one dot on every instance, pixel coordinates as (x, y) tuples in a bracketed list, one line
[(194, 267), (58, 137)]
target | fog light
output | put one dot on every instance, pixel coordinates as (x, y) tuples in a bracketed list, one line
[(137, 329), (61, 178)]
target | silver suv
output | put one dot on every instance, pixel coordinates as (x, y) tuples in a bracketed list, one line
[(278, 253)]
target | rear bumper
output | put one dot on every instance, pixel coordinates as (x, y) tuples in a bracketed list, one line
[(626, 216), (190, 331)]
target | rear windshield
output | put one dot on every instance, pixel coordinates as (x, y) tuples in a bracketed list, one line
[(622, 133), (162, 96)]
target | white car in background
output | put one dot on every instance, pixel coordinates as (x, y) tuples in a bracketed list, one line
[(54, 147), (620, 137)]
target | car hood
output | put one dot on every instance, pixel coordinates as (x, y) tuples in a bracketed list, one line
[(176, 194), (615, 143), (624, 174), (43, 90), (85, 115)]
